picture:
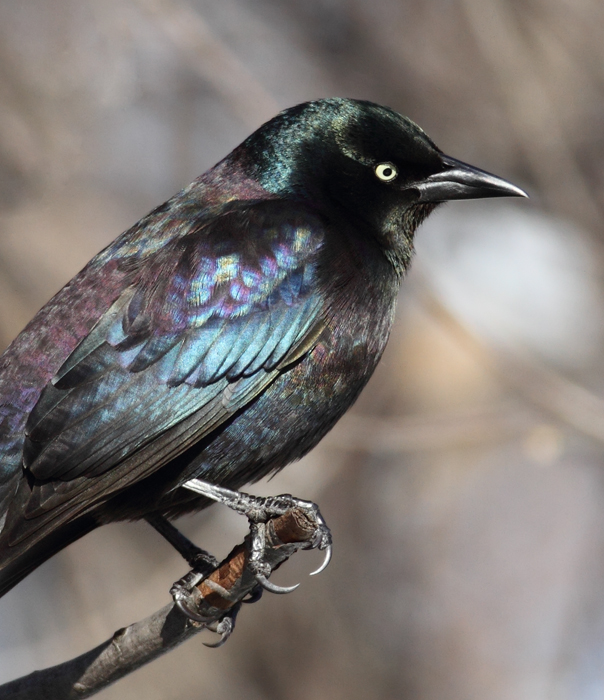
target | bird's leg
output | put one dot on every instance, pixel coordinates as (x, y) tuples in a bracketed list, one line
[(197, 558), (259, 511), (201, 562)]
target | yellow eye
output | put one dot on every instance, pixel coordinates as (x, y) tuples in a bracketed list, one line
[(386, 172)]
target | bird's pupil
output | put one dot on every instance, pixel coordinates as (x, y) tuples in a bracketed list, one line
[(387, 172)]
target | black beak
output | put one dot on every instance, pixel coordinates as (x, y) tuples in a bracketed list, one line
[(462, 181)]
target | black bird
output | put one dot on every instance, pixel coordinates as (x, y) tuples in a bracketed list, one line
[(224, 334)]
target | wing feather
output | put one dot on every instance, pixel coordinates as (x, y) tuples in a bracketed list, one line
[(207, 324)]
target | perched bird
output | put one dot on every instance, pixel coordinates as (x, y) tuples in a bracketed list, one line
[(224, 334)]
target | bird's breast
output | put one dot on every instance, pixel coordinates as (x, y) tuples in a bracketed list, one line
[(305, 401)]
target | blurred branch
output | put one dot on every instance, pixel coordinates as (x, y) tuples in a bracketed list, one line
[(541, 385), (212, 60), (568, 401), (217, 596), (24, 123), (531, 108), (431, 432)]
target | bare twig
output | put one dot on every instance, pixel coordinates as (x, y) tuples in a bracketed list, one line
[(541, 385), (142, 642), (212, 60), (421, 432), (531, 107)]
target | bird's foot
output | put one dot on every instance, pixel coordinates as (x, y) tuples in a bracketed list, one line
[(224, 627), (182, 593), (211, 595), (187, 602), (203, 562), (259, 511)]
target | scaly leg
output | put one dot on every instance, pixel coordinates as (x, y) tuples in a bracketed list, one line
[(259, 510), (196, 557), (201, 562)]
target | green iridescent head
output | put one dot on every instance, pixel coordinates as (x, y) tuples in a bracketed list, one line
[(363, 162)]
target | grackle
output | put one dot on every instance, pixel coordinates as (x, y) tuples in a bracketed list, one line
[(223, 335)]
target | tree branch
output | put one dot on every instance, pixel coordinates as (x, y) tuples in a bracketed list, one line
[(136, 645), (543, 386), (212, 59)]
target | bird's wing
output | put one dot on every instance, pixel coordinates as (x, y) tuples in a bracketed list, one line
[(206, 325)]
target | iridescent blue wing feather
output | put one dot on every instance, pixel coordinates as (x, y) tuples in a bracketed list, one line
[(206, 325)]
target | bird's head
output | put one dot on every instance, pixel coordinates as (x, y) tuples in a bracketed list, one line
[(365, 162)]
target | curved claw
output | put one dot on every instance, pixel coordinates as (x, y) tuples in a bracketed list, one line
[(223, 638), (273, 588), (191, 614), (325, 564), (228, 627)]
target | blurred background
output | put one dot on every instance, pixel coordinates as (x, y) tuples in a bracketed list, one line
[(465, 488)]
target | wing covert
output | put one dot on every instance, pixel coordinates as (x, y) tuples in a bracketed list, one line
[(226, 306)]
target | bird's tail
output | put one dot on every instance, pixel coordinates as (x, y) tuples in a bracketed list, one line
[(22, 563)]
